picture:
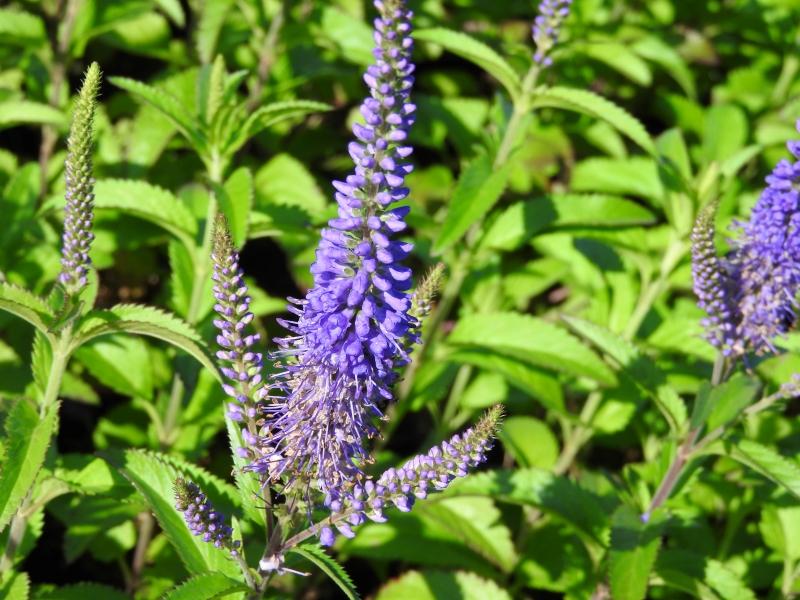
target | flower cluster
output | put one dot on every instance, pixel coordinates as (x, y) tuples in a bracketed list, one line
[(78, 214), (712, 284), (401, 486), (201, 517), (752, 300), (353, 328), (241, 363), (428, 288), (546, 28)]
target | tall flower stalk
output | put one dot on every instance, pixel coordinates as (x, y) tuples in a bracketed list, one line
[(79, 212), (353, 328)]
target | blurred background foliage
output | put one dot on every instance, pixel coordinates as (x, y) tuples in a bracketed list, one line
[(581, 249)]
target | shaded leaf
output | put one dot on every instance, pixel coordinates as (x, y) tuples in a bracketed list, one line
[(634, 547), (435, 585), (325, 563), (205, 587)]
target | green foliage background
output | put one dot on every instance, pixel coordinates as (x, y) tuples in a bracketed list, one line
[(567, 291)]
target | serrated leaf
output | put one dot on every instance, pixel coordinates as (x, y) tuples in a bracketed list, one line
[(154, 480), (212, 17), (205, 587), (83, 591), (168, 105), (435, 585), (316, 555), (148, 321), (26, 112), (285, 180), (27, 439), (530, 441), (148, 202), (700, 576), (476, 52), (729, 399), (522, 220), (269, 115), (589, 103), (122, 363), (779, 469), (634, 547), (530, 339), (15, 586), (25, 305), (556, 495), (479, 188)]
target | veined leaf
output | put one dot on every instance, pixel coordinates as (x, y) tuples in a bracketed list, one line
[(15, 586), (27, 438), (476, 52), (17, 112), (236, 200), (729, 399), (532, 340), (634, 547), (434, 585), (270, 115), (589, 103), (147, 202), (205, 587), (154, 479), (556, 495), (766, 461), (328, 565), (25, 305), (479, 187), (167, 104), (147, 321)]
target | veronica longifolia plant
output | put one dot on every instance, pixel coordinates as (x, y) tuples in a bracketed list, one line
[(304, 431)]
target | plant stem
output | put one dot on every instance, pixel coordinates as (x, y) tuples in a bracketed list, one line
[(267, 58), (146, 525), (60, 356), (521, 108)]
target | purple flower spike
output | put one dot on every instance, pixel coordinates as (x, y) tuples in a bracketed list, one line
[(201, 518), (768, 260), (79, 210), (399, 487), (546, 28), (239, 359), (353, 328)]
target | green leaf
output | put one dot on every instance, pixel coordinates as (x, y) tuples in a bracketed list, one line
[(21, 28), (148, 202), (620, 58), (589, 103), (559, 496), (725, 132), (316, 555), (148, 321), (168, 104), (269, 115), (522, 220), (529, 441), (15, 586), (530, 339), (122, 363), (476, 52), (25, 305), (154, 479), (83, 591), (27, 439), (26, 112), (730, 399), (205, 587), (235, 201), (212, 18), (435, 585), (634, 547), (286, 180), (668, 58), (174, 10), (700, 576), (636, 176), (780, 470), (352, 35), (479, 187)]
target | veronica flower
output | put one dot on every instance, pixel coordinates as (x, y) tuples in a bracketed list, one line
[(546, 28), (78, 212), (422, 474), (201, 518), (353, 327), (241, 363), (751, 299)]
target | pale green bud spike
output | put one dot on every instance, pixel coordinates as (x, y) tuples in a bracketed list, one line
[(428, 289), (78, 213)]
